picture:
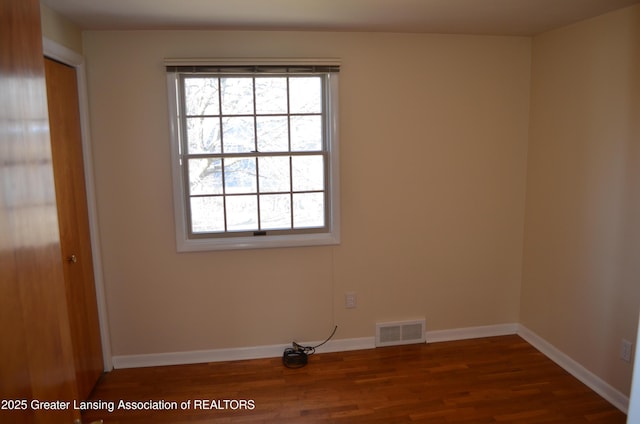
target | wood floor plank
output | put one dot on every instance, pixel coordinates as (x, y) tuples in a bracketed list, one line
[(490, 380)]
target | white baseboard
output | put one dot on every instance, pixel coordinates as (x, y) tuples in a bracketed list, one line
[(471, 333), (344, 345), (233, 354), (595, 383), (196, 356), (273, 351)]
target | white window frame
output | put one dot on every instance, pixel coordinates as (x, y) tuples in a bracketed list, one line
[(331, 236)]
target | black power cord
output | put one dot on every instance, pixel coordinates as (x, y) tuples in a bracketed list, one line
[(298, 355)]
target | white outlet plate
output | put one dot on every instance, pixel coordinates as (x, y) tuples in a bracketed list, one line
[(625, 350), (350, 300)]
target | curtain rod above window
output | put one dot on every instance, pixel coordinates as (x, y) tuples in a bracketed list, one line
[(253, 65)]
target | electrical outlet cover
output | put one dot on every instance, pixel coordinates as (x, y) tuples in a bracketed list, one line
[(350, 300), (625, 350)]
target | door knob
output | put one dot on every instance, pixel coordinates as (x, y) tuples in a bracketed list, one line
[(72, 259)]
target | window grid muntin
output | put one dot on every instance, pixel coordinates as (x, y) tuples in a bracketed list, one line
[(324, 152)]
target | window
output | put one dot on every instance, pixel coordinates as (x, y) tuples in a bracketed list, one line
[(254, 151)]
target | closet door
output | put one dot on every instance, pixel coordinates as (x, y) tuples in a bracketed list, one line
[(75, 239), (35, 352)]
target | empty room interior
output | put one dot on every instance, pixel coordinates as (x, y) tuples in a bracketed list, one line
[(483, 181)]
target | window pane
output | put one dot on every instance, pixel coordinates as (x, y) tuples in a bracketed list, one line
[(240, 175), (255, 150), (305, 94), (207, 214), (237, 96), (205, 176), (271, 95), (274, 174), (308, 173), (308, 210), (238, 135), (275, 211), (306, 133), (201, 96), (242, 213), (273, 133), (203, 135)]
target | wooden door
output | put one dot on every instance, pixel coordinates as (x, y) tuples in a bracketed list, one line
[(35, 352), (75, 239)]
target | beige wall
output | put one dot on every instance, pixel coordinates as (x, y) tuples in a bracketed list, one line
[(433, 140), (59, 29), (581, 265)]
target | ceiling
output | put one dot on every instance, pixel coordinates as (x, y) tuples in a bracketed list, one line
[(494, 17)]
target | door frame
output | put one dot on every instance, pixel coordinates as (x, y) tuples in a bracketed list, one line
[(69, 57)]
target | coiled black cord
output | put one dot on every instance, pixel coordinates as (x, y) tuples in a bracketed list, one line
[(310, 350), (296, 356)]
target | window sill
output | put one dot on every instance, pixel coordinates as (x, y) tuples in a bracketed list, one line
[(262, 242)]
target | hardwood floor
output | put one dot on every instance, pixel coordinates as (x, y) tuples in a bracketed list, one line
[(491, 380)]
